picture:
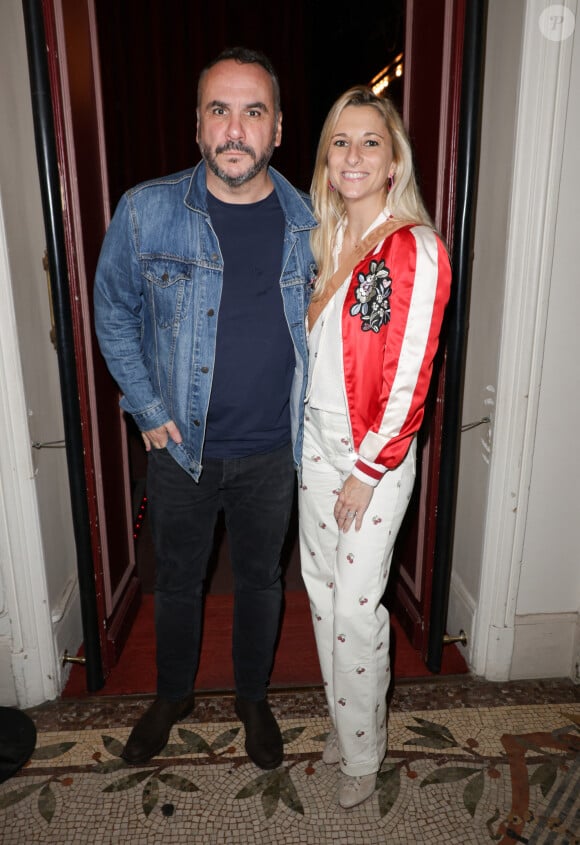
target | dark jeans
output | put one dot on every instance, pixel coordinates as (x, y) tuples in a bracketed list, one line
[(256, 495)]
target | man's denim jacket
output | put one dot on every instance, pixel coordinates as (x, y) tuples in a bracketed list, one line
[(157, 296)]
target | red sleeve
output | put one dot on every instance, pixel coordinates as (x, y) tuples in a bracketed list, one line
[(420, 280)]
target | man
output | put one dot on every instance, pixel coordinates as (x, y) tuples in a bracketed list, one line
[(200, 299)]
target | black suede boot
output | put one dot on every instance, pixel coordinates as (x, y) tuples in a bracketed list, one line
[(150, 734), (263, 738)]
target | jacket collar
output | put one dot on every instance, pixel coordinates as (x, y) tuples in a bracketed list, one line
[(295, 203)]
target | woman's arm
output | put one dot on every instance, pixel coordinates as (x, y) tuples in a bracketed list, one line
[(421, 278)]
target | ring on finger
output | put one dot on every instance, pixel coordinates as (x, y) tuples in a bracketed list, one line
[(351, 513)]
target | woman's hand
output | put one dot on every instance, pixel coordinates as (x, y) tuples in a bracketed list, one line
[(352, 503)]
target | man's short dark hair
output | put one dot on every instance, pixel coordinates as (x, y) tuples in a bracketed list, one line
[(245, 56)]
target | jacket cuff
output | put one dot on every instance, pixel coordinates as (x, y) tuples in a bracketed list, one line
[(368, 472), (149, 418)]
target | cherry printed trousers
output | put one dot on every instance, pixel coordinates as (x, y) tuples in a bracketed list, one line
[(345, 575)]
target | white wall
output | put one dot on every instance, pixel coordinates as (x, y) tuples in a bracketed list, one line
[(523, 610), (549, 588), (40, 613), (550, 577)]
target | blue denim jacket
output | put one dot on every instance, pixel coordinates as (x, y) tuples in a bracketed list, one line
[(157, 295)]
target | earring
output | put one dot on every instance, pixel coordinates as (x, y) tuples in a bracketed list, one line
[(331, 186)]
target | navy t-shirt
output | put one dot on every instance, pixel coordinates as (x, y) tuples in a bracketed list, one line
[(249, 404)]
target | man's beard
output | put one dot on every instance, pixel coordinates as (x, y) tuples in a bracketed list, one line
[(237, 146)]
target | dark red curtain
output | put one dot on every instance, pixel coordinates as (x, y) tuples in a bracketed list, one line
[(153, 50), (151, 54)]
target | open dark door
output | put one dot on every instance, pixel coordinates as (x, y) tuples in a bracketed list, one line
[(432, 97), (73, 70), (435, 85)]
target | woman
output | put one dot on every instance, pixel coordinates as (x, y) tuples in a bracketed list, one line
[(373, 327)]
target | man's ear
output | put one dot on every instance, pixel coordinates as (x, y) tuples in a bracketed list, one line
[(278, 136), (197, 126)]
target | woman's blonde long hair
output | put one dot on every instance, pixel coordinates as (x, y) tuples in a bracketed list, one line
[(405, 202)]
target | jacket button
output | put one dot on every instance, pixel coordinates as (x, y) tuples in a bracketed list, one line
[(196, 422), (214, 256), (205, 369), (165, 277), (211, 312)]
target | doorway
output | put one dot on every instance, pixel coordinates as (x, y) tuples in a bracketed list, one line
[(130, 106)]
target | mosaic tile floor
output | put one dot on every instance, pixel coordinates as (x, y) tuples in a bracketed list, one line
[(468, 762)]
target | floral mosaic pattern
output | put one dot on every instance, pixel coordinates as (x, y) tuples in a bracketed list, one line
[(467, 776)]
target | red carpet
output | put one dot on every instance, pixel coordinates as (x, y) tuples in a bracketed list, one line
[(296, 661)]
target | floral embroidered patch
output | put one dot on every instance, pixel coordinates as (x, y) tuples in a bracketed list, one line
[(373, 297)]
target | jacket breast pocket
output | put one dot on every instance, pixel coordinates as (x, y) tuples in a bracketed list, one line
[(170, 290)]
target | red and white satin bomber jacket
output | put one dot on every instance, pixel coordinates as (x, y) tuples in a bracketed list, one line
[(391, 321)]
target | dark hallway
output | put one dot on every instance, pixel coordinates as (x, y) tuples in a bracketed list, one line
[(152, 51)]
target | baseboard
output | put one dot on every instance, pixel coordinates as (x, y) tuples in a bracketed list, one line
[(8, 697), (576, 657), (461, 614), (67, 629), (546, 646)]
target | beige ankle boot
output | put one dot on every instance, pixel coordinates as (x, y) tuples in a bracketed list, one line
[(331, 751), (355, 790)]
